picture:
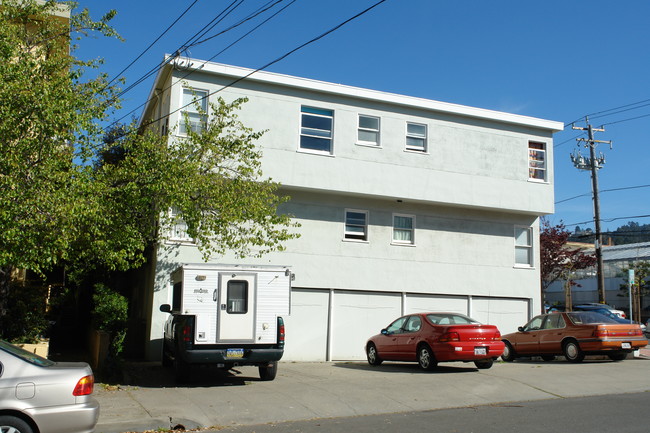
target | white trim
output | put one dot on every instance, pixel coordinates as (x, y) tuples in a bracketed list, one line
[(372, 95), (529, 247)]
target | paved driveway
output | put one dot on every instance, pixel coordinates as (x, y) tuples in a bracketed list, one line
[(149, 399)]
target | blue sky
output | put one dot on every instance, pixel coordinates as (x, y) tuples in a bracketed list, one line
[(554, 59)]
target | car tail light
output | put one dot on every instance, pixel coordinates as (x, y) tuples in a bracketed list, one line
[(601, 333), (187, 333), (623, 315), (281, 332), (497, 336), (84, 386), (449, 336)]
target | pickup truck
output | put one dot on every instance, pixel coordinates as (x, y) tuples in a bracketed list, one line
[(181, 352)]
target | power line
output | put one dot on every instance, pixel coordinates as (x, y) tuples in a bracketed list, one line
[(254, 14), (603, 190), (153, 43), (609, 220), (287, 54)]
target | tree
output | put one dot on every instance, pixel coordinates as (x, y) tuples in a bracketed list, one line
[(49, 115), (558, 261), (212, 179), (78, 196)]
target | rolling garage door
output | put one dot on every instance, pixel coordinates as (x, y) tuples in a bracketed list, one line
[(506, 314), (356, 316), (306, 327)]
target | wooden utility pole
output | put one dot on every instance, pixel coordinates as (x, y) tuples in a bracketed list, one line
[(593, 164)]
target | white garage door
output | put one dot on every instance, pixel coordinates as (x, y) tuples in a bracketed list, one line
[(356, 316), (306, 327), (506, 314), (426, 303)]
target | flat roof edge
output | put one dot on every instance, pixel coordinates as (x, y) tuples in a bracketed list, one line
[(238, 72)]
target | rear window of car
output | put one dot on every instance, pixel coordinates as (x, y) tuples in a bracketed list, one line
[(584, 317), (25, 355), (450, 319)]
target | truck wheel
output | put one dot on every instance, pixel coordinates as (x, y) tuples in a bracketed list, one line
[(269, 371)]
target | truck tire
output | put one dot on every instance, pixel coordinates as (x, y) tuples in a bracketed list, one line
[(268, 371)]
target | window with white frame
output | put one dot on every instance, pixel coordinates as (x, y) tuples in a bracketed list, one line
[(368, 132), (195, 107), (403, 229), (316, 126), (178, 227), (536, 161), (356, 225), (524, 246), (416, 136)]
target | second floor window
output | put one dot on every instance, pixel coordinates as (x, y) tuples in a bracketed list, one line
[(195, 105), (316, 129), (356, 225), (368, 132), (403, 229), (416, 137), (537, 161)]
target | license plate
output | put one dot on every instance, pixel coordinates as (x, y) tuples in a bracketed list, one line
[(234, 353), (480, 351), (626, 346)]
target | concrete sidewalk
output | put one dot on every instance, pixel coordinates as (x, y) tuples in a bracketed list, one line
[(150, 400)]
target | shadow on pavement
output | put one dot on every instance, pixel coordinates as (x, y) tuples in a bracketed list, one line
[(154, 375), (413, 368)]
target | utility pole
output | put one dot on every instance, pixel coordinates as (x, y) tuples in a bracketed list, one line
[(593, 164)]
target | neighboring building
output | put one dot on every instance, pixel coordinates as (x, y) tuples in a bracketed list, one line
[(406, 204), (616, 258)]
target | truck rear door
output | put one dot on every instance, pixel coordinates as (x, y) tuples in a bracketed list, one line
[(236, 307)]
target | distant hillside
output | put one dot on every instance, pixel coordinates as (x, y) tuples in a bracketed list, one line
[(630, 233)]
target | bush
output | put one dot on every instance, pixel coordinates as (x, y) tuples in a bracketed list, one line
[(25, 320), (110, 314)]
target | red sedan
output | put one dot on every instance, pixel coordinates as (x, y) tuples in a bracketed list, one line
[(429, 338), (574, 335)]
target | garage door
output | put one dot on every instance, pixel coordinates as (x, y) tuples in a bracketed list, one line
[(426, 303), (507, 314), (356, 316), (306, 327)]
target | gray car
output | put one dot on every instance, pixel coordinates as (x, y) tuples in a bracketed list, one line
[(39, 395)]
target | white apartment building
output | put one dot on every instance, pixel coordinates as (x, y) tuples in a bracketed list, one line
[(406, 204)]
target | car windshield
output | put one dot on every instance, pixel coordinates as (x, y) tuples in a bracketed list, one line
[(450, 319), (583, 317), (30, 357)]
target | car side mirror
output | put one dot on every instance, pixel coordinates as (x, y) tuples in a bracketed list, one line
[(166, 308), (384, 332), (520, 329)]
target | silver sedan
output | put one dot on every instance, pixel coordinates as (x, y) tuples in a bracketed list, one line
[(39, 395)]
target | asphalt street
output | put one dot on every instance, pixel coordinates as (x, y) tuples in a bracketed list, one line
[(148, 398)]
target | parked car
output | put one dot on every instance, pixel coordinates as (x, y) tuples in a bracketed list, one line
[(619, 313), (574, 335), (429, 338), (598, 308), (39, 395)]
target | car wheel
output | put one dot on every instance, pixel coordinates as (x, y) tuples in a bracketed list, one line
[(11, 424), (269, 371), (572, 351), (484, 364), (508, 354), (372, 355), (617, 356), (426, 359), (548, 358)]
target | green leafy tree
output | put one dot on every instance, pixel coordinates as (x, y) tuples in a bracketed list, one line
[(212, 179), (641, 286), (50, 114)]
